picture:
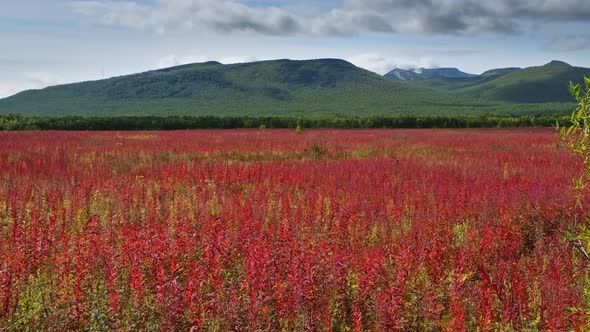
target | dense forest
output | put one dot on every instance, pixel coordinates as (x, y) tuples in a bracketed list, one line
[(19, 122)]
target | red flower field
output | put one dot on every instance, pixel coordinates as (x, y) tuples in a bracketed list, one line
[(342, 230)]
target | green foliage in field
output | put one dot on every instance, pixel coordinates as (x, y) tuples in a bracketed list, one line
[(576, 138), (310, 88)]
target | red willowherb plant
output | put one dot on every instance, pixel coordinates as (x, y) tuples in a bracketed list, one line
[(273, 230)]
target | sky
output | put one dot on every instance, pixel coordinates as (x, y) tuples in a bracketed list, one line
[(48, 42)]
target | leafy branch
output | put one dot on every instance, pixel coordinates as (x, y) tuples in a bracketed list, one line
[(576, 137)]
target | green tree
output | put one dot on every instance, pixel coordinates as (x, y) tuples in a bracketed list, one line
[(576, 138)]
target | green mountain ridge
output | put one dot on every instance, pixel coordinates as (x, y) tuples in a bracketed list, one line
[(306, 88), (540, 84), (500, 71), (277, 87)]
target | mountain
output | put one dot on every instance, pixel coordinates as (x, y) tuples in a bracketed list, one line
[(499, 71), (558, 63), (403, 75), (265, 88), (321, 87), (423, 73), (455, 84), (443, 73), (541, 84)]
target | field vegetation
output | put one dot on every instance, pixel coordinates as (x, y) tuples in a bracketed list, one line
[(342, 230)]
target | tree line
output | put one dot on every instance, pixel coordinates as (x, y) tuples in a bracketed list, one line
[(19, 122)]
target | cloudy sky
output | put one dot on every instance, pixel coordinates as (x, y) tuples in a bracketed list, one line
[(46, 42)]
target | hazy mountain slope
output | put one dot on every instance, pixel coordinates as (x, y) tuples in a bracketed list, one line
[(542, 84), (402, 75), (426, 74), (454, 84)]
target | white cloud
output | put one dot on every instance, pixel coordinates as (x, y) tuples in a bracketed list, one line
[(570, 43), (26, 81), (124, 13), (383, 64), (218, 15), (350, 17), (174, 60), (347, 22)]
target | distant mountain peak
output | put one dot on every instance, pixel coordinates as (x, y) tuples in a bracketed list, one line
[(399, 74), (426, 73), (558, 63), (446, 72)]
